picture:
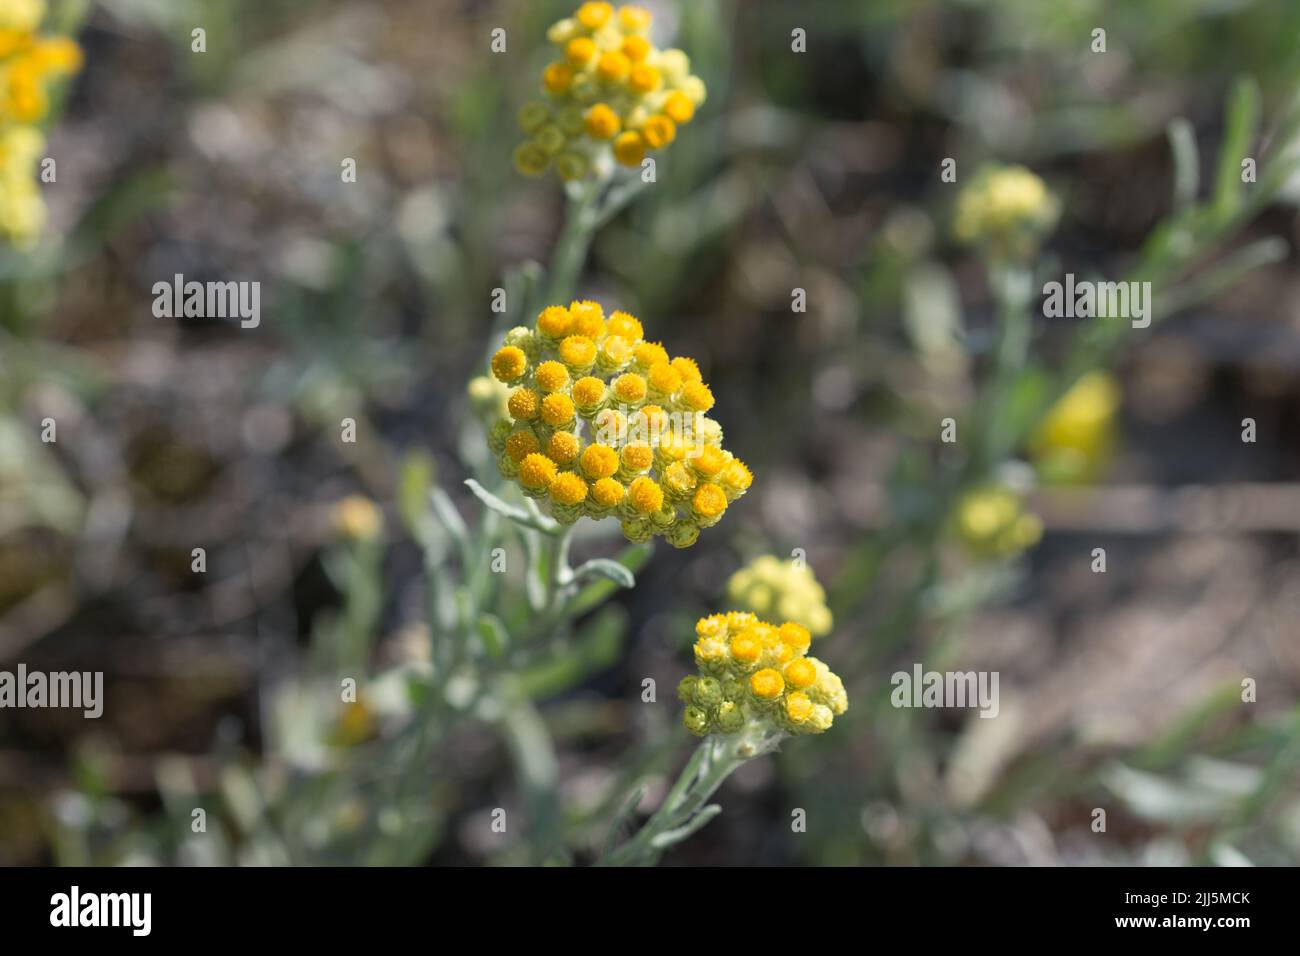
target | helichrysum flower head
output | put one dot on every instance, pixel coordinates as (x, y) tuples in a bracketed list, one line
[(1076, 438), (606, 424), (754, 676), (609, 96), (1006, 208), (783, 589), (992, 523)]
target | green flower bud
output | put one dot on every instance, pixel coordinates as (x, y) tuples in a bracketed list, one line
[(696, 720), (497, 435), (550, 138), (682, 535), (708, 691), (638, 530), (731, 717), (533, 116), (686, 689)]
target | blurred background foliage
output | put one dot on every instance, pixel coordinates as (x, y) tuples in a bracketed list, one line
[(816, 171)]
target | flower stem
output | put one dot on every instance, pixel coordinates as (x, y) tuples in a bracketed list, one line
[(580, 221), (684, 810)]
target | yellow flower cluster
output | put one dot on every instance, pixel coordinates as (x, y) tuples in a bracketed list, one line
[(28, 61), (612, 93), (755, 674), (605, 424), (786, 590), (991, 522), (1008, 208), (1075, 440)]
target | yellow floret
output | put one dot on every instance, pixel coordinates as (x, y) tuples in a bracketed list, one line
[(767, 684), (629, 148), (558, 77), (563, 447), (557, 409), (709, 501), (648, 354), (637, 456), (607, 492), (798, 707), (509, 363), (580, 50), (587, 391), (599, 461), (687, 369), (645, 495), (630, 388), (523, 404), (710, 461), (551, 376), (644, 79), (602, 122), (636, 48), (663, 378), (554, 321), (745, 649), (578, 351), (522, 444), (568, 489), (634, 19), (588, 319), (737, 476), (594, 15), (626, 325), (697, 397), (795, 636), (800, 673), (536, 471), (678, 107), (658, 131), (613, 66)]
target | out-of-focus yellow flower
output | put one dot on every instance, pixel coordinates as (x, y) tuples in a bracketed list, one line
[(357, 518), (1008, 209), (782, 589), (28, 62), (610, 96), (608, 425), (22, 209), (1077, 437), (355, 725), (991, 523), (755, 677), (489, 397)]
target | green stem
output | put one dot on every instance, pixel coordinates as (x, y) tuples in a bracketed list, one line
[(580, 221), (537, 767), (558, 572), (684, 810)]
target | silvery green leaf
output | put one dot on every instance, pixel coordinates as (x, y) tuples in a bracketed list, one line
[(670, 837), (605, 568)]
